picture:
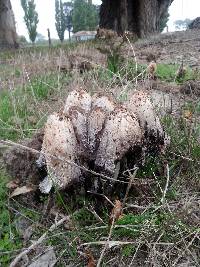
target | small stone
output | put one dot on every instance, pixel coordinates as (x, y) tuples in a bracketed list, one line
[(46, 260)]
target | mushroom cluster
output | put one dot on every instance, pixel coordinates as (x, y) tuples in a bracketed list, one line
[(95, 132)]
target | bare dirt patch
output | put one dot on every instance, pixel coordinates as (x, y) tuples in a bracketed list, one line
[(171, 48)]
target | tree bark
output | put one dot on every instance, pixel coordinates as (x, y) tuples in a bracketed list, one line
[(8, 36), (123, 16), (139, 16)]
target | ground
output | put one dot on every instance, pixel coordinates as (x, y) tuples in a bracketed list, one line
[(160, 222), (171, 48)]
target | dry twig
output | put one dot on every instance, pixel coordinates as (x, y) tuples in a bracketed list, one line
[(132, 177), (116, 212), (39, 241), (11, 143), (166, 185)]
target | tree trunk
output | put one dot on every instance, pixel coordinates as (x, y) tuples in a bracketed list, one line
[(8, 36), (123, 16), (139, 16)]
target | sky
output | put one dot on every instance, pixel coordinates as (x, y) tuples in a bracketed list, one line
[(180, 9)]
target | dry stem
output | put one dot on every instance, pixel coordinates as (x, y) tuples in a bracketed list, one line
[(39, 241)]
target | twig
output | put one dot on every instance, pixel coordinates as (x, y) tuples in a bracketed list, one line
[(184, 251), (167, 184), (95, 214), (186, 158), (121, 243), (154, 246), (131, 263), (107, 242), (137, 206), (115, 216), (18, 212), (60, 256), (132, 177), (135, 58), (126, 226), (11, 143), (39, 241), (98, 194)]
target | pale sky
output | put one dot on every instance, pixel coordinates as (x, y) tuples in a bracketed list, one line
[(180, 9)]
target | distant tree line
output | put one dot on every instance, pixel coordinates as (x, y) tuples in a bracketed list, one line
[(73, 16), (182, 24), (76, 15)]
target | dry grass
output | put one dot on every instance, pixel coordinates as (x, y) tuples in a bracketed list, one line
[(160, 225)]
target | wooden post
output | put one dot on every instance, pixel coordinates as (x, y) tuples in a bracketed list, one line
[(49, 37)]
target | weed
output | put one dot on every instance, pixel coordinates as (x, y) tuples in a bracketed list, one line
[(84, 217), (167, 72), (130, 71), (9, 239), (128, 250), (113, 63)]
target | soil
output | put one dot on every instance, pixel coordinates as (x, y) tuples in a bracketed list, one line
[(171, 48), (20, 163)]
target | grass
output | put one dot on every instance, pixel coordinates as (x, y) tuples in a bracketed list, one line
[(9, 239), (24, 108), (22, 111), (167, 73)]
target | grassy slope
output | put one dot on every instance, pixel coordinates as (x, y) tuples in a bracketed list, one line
[(164, 232)]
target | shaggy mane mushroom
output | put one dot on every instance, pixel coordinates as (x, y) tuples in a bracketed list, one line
[(59, 145), (96, 129)]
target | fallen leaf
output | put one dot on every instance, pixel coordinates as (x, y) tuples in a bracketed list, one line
[(12, 184), (188, 114), (22, 190), (91, 261), (116, 211)]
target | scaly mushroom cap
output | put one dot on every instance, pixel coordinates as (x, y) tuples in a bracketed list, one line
[(77, 107), (80, 99), (59, 145), (103, 101), (155, 139), (78, 119), (121, 132), (101, 107), (141, 105)]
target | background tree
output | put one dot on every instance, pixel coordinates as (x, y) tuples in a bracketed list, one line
[(30, 18), (22, 39), (182, 24), (60, 20), (8, 36), (68, 9), (84, 16), (139, 16), (194, 24), (163, 21), (40, 39)]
